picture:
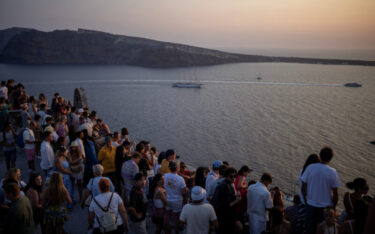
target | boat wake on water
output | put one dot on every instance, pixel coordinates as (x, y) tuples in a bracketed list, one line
[(203, 82)]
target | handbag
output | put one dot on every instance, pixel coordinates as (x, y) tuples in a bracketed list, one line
[(76, 168)]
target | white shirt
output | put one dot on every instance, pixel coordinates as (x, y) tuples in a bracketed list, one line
[(173, 185), (115, 144), (75, 121), (320, 179), (103, 200), (93, 185), (258, 201), (47, 156), (55, 136), (86, 126), (211, 177), (81, 147), (4, 92), (28, 135), (197, 218)]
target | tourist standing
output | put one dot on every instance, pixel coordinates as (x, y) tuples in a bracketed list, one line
[(91, 158), (54, 199), (76, 166), (29, 139), (106, 157), (211, 190), (128, 171), (19, 219), (110, 201), (33, 191), (123, 154), (313, 158), (176, 191), (9, 146), (159, 198), (199, 217), (224, 202), (214, 174), (62, 166), (259, 200), (320, 184), (170, 156), (138, 205), (47, 153)]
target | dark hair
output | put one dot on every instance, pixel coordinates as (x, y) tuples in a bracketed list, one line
[(136, 155), (12, 188), (326, 154), (200, 179), (37, 117), (57, 94), (154, 184), (222, 169), (46, 134), (98, 120), (124, 131), (115, 134), (357, 184), (139, 147), (169, 153), (296, 199), (229, 171), (251, 182), (226, 163), (32, 184), (153, 149), (266, 177), (276, 215), (161, 157), (139, 176), (243, 170), (313, 158)]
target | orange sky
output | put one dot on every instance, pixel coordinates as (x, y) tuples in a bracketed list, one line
[(209, 23)]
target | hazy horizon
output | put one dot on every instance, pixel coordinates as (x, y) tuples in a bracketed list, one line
[(328, 24)]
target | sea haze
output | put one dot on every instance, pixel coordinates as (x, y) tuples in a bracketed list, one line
[(270, 126)]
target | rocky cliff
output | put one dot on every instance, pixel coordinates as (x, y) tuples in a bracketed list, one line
[(92, 47)]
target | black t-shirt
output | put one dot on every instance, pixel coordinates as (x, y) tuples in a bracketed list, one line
[(139, 202)]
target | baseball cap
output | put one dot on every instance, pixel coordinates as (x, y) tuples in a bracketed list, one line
[(217, 164)]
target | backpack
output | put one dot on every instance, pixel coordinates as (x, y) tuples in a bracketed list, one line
[(20, 142), (108, 220)]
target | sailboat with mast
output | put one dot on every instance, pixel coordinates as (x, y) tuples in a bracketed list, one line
[(192, 84)]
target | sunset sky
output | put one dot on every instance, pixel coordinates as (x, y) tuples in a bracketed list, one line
[(332, 24)]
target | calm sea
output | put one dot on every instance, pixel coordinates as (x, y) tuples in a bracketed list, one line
[(272, 125)]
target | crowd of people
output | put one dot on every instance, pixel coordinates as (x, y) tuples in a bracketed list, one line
[(122, 182)]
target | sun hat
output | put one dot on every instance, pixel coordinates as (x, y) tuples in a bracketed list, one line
[(74, 144), (198, 193)]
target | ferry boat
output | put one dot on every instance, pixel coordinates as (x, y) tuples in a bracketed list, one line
[(187, 85)]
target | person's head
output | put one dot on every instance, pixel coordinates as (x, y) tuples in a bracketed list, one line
[(56, 191), (35, 182), (154, 151), (37, 118), (3, 83), (99, 122), (222, 170), (329, 215), (147, 146), (313, 158), (8, 126), (198, 194), (97, 170), (57, 95), (31, 125), (13, 174), (79, 134), (74, 147), (359, 185), (216, 165), (174, 166), (139, 180), (226, 163), (104, 185), (116, 136), (47, 136), (43, 107), (326, 154), (42, 97), (49, 120), (12, 191), (182, 167), (170, 155), (127, 145), (61, 141), (136, 157), (251, 182), (140, 148), (157, 181), (124, 132), (108, 141), (244, 171), (61, 152), (230, 174), (200, 176), (266, 179)]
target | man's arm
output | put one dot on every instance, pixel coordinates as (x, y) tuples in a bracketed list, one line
[(304, 191), (335, 197)]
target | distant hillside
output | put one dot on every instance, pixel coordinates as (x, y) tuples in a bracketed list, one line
[(28, 46)]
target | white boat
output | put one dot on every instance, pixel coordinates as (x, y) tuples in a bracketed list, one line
[(187, 85), (193, 84)]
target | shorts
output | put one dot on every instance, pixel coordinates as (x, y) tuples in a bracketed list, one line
[(10, 156), (175, 206), (171, 218), (30, 154)]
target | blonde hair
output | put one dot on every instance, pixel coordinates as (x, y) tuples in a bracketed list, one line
[(56, 191)]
